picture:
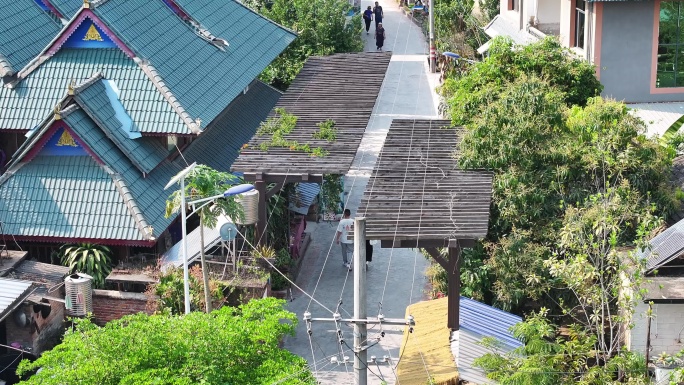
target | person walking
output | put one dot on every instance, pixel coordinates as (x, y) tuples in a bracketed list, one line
[(368, 17), (344, 228), (379, 36), (369, 253), (377, 11)]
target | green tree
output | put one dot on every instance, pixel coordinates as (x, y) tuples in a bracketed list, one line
[(547, 59), (321, 28), (229, 346), (544, 154), (204, 182), (89, 258), (605, 285)]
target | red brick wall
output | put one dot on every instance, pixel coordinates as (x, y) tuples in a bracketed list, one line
[(109, 305)]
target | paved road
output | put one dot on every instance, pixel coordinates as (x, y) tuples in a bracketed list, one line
[(396, 276)]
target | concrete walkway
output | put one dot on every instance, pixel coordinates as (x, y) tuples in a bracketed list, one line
[(396, 278)]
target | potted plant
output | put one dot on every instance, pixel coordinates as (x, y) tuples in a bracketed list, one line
[(666, 365)]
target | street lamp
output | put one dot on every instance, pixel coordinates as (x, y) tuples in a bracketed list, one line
[(184, 246), (180, 177)]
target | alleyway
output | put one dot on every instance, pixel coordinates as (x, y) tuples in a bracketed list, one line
[(396, 277)]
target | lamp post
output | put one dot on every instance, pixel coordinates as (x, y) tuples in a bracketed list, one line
[(180, 177), (184, 245)]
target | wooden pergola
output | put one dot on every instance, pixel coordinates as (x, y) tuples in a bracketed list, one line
[(417, 197), (341, 87)]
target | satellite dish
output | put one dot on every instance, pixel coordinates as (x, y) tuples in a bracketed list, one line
[(228, 231)]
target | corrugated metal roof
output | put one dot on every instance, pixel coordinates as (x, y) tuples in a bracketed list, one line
[(145, 152), (303, 198), (25, 29), (664, 247), (173, 256), (202, 77), (220, 144), (478, 321), (657, 116), (35, 97), (12, 294), (499, 26)]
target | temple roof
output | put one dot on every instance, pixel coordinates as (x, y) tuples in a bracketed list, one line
[(175, 75), (98, 192), (25, 29)]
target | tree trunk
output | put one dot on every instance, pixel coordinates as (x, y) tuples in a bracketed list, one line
[(205, 272)]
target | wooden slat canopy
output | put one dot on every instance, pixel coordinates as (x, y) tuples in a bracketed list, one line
[(341, 87), (418, 197), (417, 192)]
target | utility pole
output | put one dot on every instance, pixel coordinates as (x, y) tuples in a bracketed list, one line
[(433, 50), (360, 330), (360, 320)]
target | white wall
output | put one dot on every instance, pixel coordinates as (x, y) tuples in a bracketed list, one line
[(565, 12), (512, 16), (666, 324), (549, 11)]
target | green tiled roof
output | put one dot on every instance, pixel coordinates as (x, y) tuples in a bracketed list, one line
[(147, 195), (145, 152), (204, 78), (33, 98), (64, 197), (220, 144), (68, 8), (25, 30)]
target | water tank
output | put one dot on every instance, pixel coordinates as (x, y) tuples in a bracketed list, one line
[(250, 205), (79, 294)]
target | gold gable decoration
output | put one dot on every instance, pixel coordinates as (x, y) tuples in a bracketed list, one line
[(66, 140), (92, 34)]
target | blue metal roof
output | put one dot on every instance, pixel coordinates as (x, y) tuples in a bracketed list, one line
[(220, 144), (203, 77), (145, 152), (664, 247), (303, 198), (26, 105), (25, 30), (478, 321), (68, 8)]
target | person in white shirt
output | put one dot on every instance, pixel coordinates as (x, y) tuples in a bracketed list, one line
[(344, 230)]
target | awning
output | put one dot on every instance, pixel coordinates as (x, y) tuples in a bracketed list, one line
[(657, 116), (303, 197), (174, 256), (12, 293)]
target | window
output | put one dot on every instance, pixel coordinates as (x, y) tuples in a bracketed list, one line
[(511, 5), (580, 9), (670, 59)]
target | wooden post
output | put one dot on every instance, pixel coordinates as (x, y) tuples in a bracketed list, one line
[(454, 297)]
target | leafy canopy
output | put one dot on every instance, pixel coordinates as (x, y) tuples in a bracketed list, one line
[(321, 28), (227, 346), (89, 258), (505, 63)]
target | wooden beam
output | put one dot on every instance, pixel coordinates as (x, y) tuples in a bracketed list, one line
[(260, 186), (273, 190), (283, 178), (454, 295), (424, 243), (434, 253)]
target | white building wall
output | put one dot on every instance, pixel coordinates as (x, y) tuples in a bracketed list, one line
[(666, 329), (548, 11), (513, 16), (565, 14)]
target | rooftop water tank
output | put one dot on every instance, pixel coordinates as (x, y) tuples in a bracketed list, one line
[(79, 294), (250, 205)]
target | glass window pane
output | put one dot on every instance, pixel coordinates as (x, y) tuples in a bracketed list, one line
[(666, 66), (580, 4), (579, 28)]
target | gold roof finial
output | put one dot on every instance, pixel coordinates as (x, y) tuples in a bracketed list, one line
[(71, 87), (86, 4), (57, 110)]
